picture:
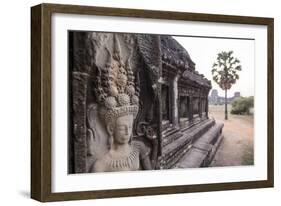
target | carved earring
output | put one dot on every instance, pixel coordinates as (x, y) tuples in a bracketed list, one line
[(110, 141)]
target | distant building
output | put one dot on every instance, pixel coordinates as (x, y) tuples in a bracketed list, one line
[(215, 99), (237, 94)]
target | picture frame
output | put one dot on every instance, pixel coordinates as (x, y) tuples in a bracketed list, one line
[(41, 100)]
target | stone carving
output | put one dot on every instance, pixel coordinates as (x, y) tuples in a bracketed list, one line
[(79, 118), (136, 103), (97, 136), (118, 102)]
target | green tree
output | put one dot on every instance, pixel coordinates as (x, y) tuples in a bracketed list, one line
[(225, 72), (242, 105)]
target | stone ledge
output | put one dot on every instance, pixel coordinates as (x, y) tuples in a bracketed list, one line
[(203, 150)]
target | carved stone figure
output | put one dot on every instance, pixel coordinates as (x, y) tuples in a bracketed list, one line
[(122, 155), (137, 103), (118, 106)]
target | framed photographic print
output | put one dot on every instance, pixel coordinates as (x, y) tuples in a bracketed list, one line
[(132, 102)]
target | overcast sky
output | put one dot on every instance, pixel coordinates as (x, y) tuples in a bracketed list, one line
[(203, 51)]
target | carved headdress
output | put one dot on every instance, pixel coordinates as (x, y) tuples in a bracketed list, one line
[(115, 91)]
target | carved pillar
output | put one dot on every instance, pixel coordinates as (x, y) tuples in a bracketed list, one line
[(190, 115), (207, 107), (175, 109), (79, 61), (79, 96), (200, 106), (204, 105)]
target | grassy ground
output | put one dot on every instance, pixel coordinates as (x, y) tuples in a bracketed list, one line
[(237, 147)]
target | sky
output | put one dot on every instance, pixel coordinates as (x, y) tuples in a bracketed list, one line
[(203, 52)]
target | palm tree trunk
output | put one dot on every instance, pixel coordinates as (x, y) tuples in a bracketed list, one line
[(225, 104)]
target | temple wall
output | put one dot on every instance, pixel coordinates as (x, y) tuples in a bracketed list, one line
[(166, 125)]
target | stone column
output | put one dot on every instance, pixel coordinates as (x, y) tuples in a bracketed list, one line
[(79, 96), (204, 106), (190, 115), (207, 107), (79, 64), (200, 107), (174, 103)]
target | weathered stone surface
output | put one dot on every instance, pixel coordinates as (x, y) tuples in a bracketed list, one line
[(203, 149), (79, 92), (163, 74), (178, 147), (194, 158)]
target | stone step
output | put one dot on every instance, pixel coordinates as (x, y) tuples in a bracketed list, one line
[(169, 131), (173, 137), (166, 125), (171, 160), (173, 151), (170, 134), (191, 132), (195, 122), (203, 150)]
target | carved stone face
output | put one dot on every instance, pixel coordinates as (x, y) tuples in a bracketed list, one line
[(122, 130)]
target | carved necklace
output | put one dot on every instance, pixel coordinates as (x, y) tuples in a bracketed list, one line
[(130, 161)]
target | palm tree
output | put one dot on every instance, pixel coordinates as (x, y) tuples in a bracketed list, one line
[(225, 72)]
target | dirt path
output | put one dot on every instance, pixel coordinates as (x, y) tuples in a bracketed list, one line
[(237, 145)]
